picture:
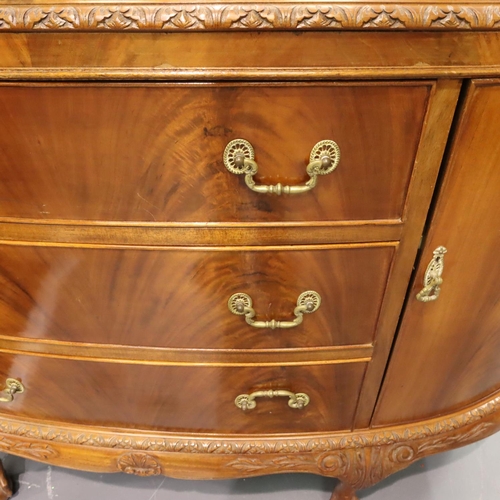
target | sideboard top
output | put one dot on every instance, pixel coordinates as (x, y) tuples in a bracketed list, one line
[(208, 15)]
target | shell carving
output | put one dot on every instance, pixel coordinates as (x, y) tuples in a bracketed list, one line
[(140, 464)]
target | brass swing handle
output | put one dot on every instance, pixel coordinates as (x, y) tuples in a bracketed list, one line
[(12, 386), (239, 159), (241, 304), (296, 401), (432, 277)]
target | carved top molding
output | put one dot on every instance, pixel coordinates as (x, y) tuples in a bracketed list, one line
[(251, 445), (248, 16)]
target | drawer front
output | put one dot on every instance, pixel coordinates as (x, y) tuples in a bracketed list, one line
[(197, 399), (141, 152), (179, 298)]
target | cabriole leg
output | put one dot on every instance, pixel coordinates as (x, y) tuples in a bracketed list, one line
[(343, 491), (5, 484)]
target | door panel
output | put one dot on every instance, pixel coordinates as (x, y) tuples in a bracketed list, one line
[(447, 354)]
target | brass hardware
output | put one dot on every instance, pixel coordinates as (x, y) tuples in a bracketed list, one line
[(432, 278), (307, 303), (239, 159), (247, 401), (12, 387)]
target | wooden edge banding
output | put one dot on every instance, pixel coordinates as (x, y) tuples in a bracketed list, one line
[(160, 235), (183, 225), (258, 74), (360, 458), (164, 356), (282, 248), (190, 84), (75, 16)]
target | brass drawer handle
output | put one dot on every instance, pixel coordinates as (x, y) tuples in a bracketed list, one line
[(12, 386), (247, 401), (239, 159), (241, 304), (432, 278)]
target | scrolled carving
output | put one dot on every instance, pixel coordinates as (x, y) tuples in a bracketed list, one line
[(360, 468), (359, 459), (333, 463), (441, 443), (139, 464), (263, 16), (38, 451), (401, 454)]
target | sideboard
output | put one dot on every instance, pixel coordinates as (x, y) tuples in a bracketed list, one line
[(240, 239)]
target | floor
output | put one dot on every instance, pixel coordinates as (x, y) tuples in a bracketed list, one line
[(470, 473)]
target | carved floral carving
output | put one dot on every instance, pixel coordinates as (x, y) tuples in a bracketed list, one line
[(361, 467), (117, 18), (285, 463), (359, 459), (300, 444), (185, 17), (140, 464), (7, 18), (38, 451), (264, 16), (39, 18)]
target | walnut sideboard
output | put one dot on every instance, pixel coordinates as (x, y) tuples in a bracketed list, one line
[(241, 239)]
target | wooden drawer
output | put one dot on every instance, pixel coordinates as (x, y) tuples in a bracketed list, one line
[(198, 399), (179, 298), (154, 152)]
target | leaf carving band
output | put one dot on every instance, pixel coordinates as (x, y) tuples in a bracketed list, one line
[(263, 16)]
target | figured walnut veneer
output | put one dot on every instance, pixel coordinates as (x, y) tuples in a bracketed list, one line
[(109, 152), (183, 295), (122, 236), (457, 338), (190, 399)]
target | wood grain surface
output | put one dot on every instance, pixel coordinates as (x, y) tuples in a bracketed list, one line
[(122, 236), (430, 154), (194, 399), (150, 234), (164, 356), (178, 298), (154, 152), (447, 351), (245, 55)]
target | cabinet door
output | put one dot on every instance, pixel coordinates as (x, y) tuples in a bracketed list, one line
[(447, 354)]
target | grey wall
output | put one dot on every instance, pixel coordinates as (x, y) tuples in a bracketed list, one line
[(471, 473)]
